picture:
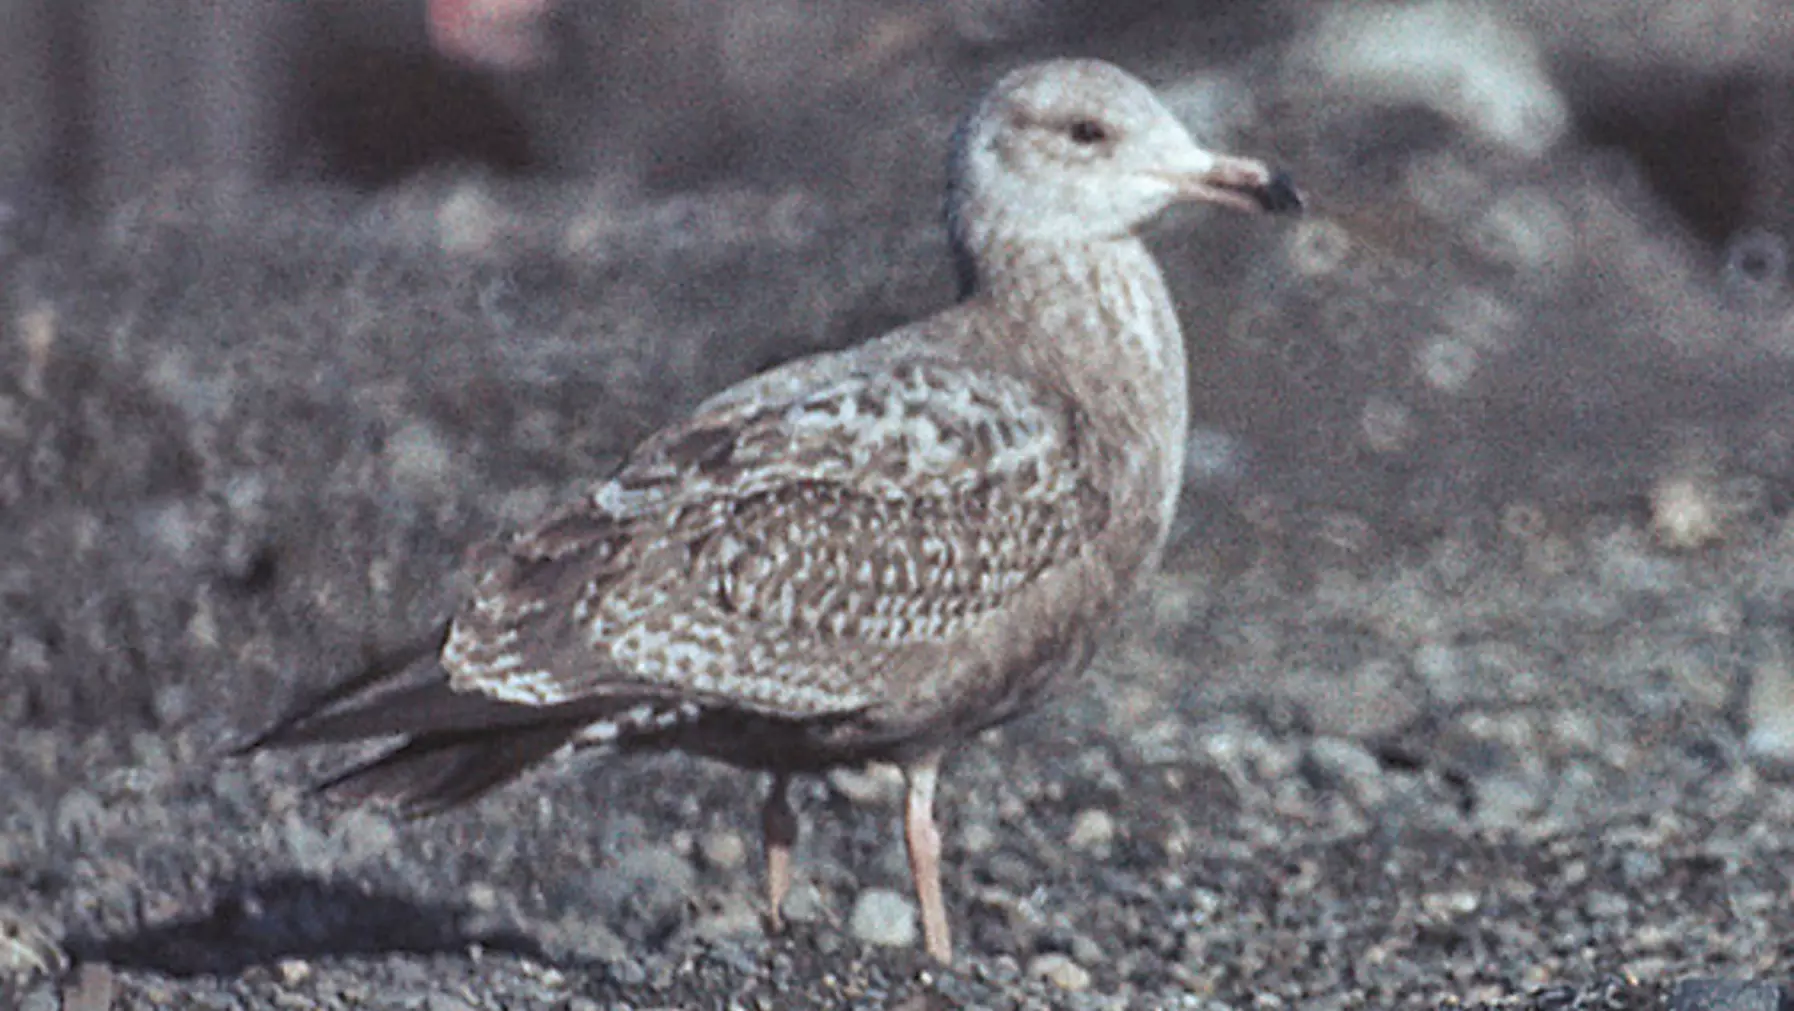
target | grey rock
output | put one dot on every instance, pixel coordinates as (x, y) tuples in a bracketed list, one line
[(1060, 971), (883, 917), (1092, 831), (1729, 995)]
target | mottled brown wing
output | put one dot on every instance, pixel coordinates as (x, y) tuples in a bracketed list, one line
[(777, 556)]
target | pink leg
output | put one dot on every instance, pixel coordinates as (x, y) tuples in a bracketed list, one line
[(778, 827), (924, 840)]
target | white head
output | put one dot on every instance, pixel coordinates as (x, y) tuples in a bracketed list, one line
[(1071, 151)]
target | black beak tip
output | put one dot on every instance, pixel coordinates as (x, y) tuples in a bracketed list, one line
[(1279, 194)]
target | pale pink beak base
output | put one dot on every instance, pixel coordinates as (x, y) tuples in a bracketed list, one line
[(1245, 185)]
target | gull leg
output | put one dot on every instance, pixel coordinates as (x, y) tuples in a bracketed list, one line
[(778, 829), (924, 840)]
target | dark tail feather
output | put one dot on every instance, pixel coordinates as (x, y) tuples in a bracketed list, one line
[(374, 703), (433, 772), (458, 745), (302, 723), (429, 708)]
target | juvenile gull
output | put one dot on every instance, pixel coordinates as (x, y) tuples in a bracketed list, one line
[(865, 555)]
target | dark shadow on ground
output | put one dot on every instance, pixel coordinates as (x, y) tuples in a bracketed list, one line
[(296, 916)]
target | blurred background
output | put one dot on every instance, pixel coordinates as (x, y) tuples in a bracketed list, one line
[(102, 98)]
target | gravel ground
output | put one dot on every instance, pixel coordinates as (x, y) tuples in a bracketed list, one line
[(1469, 680)]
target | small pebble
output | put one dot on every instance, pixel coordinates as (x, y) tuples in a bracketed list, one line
[(1060, 971), (883, 917), (651, 881), (307, 845), (91, 988), (734, 917), (875, 785), (80, 818), (467, 222), (1347, 763), (1093, 831), (977, 837), (40, 998), (579, 938), (1770, 706), (723, 850), (421, 459), (1602, 905), (1085, 950), (805, 903), (1504, 802), (1450, 904), (362, 836), (1728, 995), (482, 896)]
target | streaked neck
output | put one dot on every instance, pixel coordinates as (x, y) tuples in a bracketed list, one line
[(1095, 320)]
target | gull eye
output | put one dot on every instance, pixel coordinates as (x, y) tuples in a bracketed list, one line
[(1087, 132)]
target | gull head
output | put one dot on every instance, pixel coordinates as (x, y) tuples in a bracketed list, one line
[(1079, 151)]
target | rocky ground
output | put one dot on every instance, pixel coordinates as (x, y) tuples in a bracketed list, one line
[(1469, 679)]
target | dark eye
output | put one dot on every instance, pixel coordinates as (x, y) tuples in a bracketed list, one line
[(1087, 132)]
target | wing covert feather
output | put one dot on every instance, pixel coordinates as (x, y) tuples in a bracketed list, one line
[(776, 553)]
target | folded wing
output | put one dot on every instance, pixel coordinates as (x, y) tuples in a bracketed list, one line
[(780, 557)]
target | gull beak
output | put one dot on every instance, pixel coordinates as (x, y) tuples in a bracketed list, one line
[(1241, 183)]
